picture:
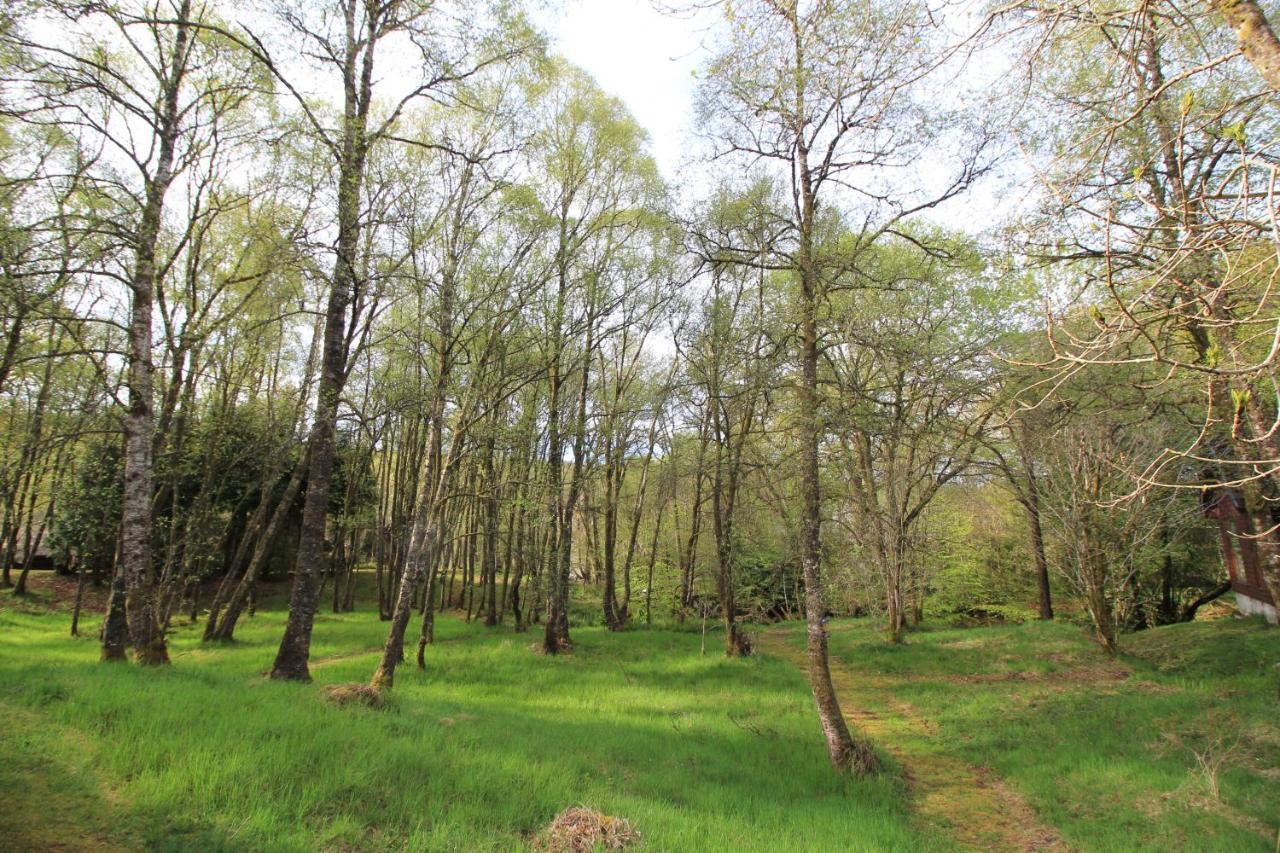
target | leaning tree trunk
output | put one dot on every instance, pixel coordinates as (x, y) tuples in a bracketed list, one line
[(845, 752), (295, 646), (223, 629), (434, 478), (422, 547)]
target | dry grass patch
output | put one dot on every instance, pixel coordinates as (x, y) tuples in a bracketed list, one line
[(579, 829), (356, 694)]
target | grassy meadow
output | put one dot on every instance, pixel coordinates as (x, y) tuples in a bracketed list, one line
[(698, 752), (478, 753)]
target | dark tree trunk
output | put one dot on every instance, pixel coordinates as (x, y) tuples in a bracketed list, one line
[(81, 577), (1032, 503), (295, 646), (115, 627), (1188, 613)]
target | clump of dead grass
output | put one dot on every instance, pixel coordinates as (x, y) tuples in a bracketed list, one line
[(579, 830), (356, 694)]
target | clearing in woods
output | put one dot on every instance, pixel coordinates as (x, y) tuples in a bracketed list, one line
[(1014, 738)]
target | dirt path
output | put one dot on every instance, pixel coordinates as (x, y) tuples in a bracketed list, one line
[(969, 803)]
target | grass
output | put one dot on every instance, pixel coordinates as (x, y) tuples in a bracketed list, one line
[(479, 753), (1105, 751), (697, 752)]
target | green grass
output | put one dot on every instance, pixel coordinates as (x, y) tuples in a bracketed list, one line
[(700, 753), (1102, 750)]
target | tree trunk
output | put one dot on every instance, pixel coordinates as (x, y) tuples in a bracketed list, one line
[(845, 753), (421, 550), (81, 576), (1032, 504), (1258, 41), (224, 629), (136, 565), (295, 645), (115, 627)]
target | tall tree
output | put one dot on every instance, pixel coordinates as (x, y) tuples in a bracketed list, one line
[(144, 85), (347, 37), (824, 95), (599, 191)]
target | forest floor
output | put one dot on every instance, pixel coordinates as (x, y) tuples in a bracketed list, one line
[(1018, 737)]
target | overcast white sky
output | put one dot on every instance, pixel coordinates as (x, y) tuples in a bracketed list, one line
[(648, 59), (640, 55)]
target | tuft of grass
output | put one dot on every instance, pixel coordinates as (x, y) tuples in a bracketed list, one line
[(581, 830), (357, 694)]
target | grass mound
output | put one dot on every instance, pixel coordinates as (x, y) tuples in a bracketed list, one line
[(580, 830), (1172, 746)]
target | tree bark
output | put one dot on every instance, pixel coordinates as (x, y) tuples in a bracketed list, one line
[(136, 564), (1037, 547), (1258, 41), (295, 646), (115, 626)]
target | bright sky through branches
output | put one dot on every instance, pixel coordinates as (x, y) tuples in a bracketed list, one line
[(649, 59), (637, 54)]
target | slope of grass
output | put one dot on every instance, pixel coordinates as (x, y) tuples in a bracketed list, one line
[(478, 753), (1103, 750)]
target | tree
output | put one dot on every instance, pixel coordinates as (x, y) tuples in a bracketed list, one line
[(733, 359), (347, 37), (910, 366), (1098, 540), (144, 88), (1158, 217), (823, 95), (599, 192), (481, 286)]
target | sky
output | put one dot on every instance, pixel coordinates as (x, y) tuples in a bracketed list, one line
[(641, 56), (649, 59)]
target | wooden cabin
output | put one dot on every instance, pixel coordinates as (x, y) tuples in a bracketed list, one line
[(1240, 552)]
